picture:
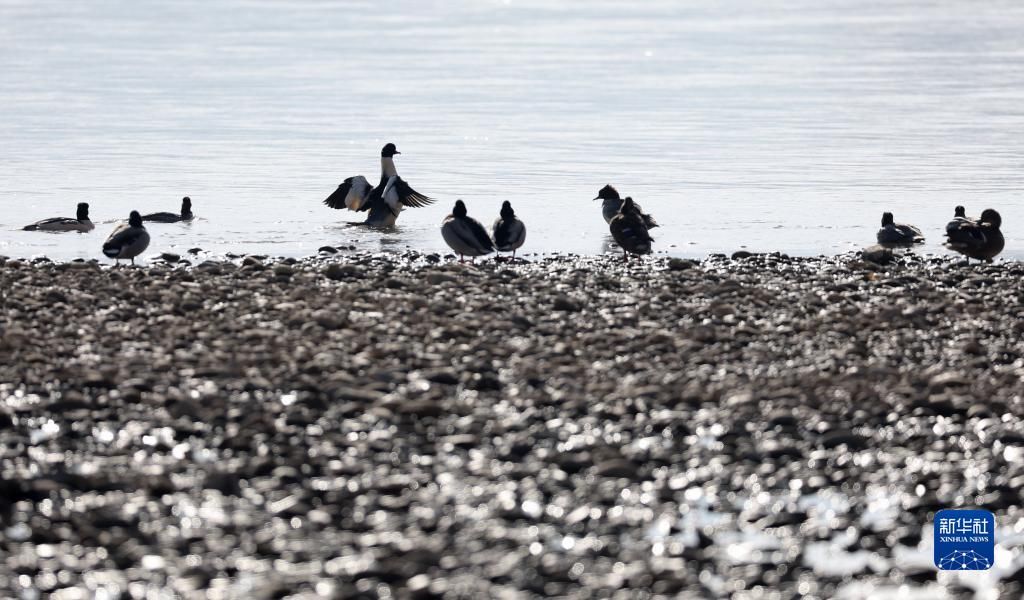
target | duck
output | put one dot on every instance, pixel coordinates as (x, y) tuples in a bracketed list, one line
[(464, 234), (897, 233), (959, 216), (611, 203), (509, 232), (128, 240), (629, 228), (169, 217), (80, 223), (385, 201), (980, 238)]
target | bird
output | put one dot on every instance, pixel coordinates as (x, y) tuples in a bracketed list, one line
[(611, 203), (629, 228), (128, 240), (980, 238), (169, 217), (897, 233), (385, 201), (959, 216), (464, 234), (81, 223), (509, 232)]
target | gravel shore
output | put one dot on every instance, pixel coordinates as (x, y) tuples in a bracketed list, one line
[(401, 426)]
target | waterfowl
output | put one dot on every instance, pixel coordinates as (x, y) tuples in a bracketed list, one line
[(611, 203), (464, 234), (128, 240), (169, 217), (980, 239), (81, 223), (959, 216), (897, 233), (629, 228), (509, 232), (385, 201)]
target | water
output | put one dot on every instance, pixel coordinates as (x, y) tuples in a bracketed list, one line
[(787, 125)]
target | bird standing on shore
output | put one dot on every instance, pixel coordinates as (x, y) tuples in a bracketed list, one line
[(128, 240), (629, 228), (80, 223), (464, 234), (898, 233), (169, 217), (611, 203), (980, 239), (509, 232), (385, 201), (959, 217)]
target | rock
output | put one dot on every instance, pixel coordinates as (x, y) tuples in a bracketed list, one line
[(566, 304), (878, 255), (616, 467), (327, 250), (170, 257), (338, 272), (681, 264)]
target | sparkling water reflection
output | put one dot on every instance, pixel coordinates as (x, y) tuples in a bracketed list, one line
[(787, 125)]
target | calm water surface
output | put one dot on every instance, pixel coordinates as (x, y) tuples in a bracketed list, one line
[(783, 125)]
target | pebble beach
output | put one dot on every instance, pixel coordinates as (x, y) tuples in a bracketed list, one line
[(400, 425)]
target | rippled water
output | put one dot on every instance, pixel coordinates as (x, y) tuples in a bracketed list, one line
[(786, 125)]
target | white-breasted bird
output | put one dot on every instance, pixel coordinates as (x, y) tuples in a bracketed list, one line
[(509, 231), (385, 201), (464, 234), (81, 223), (128, 240)]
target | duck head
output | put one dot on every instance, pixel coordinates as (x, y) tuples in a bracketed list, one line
[(991, 217), (460, 209), (506, 210), (135, 219), (389, 150), (959, 213), (887, 219), (83, 211), (627, 206), (607, 193), (186, 205)]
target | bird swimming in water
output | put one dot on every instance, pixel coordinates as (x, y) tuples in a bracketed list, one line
[(464, 234), (980, 238), (80, 223), (128, 240), (629, 228), (897, 233), (169, 217), (509, 232), (611, 203), (385, 201)]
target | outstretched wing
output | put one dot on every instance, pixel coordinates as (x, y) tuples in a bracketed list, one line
[(408, 196), (351, 194)]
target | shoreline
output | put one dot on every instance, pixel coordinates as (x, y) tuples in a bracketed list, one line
[(564, 426)]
